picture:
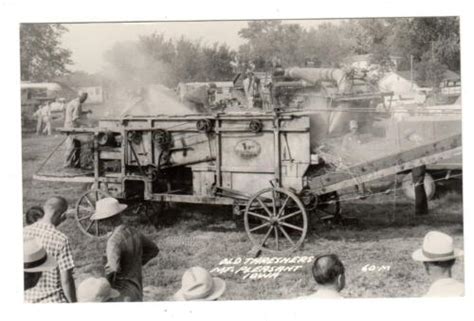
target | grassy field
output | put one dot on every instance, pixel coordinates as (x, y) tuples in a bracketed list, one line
[(202, 235)]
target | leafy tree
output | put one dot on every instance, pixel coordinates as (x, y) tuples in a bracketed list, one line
[(370, 36), (216, 62), (430, 70), (270, 38), (357, 31), (326, 46), (188, 61), (433, 42), (42, 57), (158, 47)]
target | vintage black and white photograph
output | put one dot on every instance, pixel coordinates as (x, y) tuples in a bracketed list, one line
[(242, 159)]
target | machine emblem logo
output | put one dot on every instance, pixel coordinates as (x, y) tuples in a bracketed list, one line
[(247, 148)]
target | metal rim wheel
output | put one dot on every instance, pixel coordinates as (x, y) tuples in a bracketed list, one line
[(85, 207), (409, 188), (276, 221)]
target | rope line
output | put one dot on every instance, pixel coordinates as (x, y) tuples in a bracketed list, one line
[(50, 155)]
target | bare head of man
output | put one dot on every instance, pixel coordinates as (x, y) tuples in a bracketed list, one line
[(328, 271), (54, 209)]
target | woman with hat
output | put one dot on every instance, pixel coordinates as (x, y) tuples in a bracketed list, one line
[(127, 250), (438, 255)]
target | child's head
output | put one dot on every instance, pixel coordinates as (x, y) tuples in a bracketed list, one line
[(33, 214)]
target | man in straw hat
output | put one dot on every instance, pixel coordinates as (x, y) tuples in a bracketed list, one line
[(96, 290), (198, 284), (58, 284), (127, 250), (35, 262), (438, 256)]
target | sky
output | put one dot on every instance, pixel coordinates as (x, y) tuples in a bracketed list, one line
[(89, 41)]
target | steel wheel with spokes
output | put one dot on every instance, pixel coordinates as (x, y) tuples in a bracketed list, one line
[(275, 220), (85, 207)]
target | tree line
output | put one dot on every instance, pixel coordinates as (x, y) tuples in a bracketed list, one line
[(430, 44)]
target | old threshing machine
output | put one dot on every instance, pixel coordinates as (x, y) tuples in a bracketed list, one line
[(263, 163)]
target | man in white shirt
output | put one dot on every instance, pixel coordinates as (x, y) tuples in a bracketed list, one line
[(438, 256), (43, 116), (329, 274)]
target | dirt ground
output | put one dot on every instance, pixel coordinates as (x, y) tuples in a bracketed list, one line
[(386, 235)]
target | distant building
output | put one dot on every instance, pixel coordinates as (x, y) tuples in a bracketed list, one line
[(95, 94)]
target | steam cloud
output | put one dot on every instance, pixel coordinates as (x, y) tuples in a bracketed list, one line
[(137, 84)]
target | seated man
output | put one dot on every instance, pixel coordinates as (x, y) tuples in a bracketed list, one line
[(438, 256), (127, 250), (35, 261), (328, 272)]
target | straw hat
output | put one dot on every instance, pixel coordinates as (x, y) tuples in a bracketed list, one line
[(107, 207), (198, 284), (437, 246), (35, 258), (96, 290)]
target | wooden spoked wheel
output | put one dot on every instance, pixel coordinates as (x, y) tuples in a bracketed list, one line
[(276, 220), (85, 207)]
